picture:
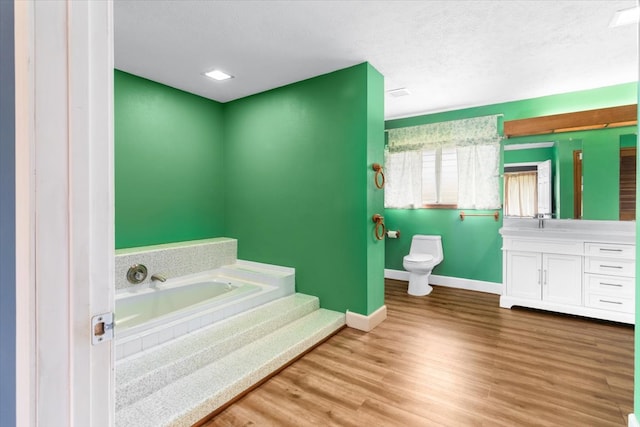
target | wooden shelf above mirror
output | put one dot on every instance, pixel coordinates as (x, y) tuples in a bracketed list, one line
[(625, 115)]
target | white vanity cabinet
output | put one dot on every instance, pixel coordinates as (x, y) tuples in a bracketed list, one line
[(570, 270), (561, 281), (609, 276), (545, 277)]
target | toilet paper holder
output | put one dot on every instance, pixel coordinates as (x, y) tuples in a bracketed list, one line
[(393, 234)]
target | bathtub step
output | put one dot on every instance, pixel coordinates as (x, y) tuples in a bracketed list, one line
[(147, 372), (194, 396), (266, 273)]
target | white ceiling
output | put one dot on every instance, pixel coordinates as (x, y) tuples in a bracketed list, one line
[(448, 54)]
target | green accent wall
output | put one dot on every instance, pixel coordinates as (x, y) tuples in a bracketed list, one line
[(627, 141), (472, 247), (169, 173), (564, 179), (375, 196), (601, 179), (299, 189), (529, 155), (286, 172)]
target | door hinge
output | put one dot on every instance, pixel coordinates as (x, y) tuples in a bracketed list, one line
[(102, 328)]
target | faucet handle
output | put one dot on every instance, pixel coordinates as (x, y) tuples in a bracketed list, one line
[(158, 277)]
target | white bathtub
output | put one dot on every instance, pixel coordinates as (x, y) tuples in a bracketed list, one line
[(136, 311), (148, 316)]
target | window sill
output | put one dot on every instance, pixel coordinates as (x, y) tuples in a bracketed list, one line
[(439, 206)]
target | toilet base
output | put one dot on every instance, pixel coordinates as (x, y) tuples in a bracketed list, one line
[(419, 284)]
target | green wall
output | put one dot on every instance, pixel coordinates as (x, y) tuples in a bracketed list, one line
[(564, 181), (601, 179), (286, 172), (529, 155), (168, 164), (299, 191), (375, 196), (472, 247)]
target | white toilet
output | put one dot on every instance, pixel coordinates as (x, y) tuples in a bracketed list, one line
[(425, 253)]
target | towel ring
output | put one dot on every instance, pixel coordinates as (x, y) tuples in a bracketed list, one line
[(380, 229), (379, 173)]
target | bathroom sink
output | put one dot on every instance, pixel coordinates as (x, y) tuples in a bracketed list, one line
[(585, 230)]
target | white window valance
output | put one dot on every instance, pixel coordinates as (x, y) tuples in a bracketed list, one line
[(459, 133)]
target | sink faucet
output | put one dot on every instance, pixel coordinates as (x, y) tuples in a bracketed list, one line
[(158, 278), (540, 221)]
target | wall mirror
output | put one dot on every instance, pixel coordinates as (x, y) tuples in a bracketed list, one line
[(589, 178), (592, 159)]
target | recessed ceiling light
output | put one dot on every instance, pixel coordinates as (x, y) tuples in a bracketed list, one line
[(625, 17), (398, 92), (218, 75)]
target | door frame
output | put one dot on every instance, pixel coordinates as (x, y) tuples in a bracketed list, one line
[(64, 211)]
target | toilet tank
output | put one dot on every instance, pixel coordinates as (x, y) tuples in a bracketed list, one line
[(425, 244)]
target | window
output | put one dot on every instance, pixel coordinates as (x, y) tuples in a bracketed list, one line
[(440, 177), (527, 189), (444, 177), (453, 164), (520, 193)]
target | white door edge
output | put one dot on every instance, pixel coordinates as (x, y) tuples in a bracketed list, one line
[(65, 211)]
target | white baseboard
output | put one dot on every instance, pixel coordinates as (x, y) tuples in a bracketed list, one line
[(396, 274), (633, 421), (366, 323), (450, 282)]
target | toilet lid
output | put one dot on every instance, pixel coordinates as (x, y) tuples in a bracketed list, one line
[(418, 257)]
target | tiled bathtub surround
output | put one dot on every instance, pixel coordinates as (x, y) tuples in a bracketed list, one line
[(268, 282), (176, 259)]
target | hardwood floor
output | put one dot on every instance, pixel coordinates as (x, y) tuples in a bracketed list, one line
[(453, 358)]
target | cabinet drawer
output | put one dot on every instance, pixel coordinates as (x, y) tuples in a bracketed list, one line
[(547, 246), (610, 266), (610, 250), (626, 305), (610, 285)]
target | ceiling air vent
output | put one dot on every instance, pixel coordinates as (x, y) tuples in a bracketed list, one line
[(398, 92)]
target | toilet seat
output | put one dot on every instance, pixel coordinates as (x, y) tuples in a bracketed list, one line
[(418, 258)]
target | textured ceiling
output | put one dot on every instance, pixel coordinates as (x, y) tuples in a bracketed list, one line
[(448, 54)]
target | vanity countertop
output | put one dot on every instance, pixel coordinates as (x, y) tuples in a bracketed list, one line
[(584, 230)]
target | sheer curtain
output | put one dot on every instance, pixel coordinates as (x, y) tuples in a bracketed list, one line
[(477, 144), (520, 194), (403, 186), (478, 177)]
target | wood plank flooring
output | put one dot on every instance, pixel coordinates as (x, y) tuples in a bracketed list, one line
[(453, 358)]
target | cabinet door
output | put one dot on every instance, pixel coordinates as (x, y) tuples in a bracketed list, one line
[(562, 279), (524, 274)]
